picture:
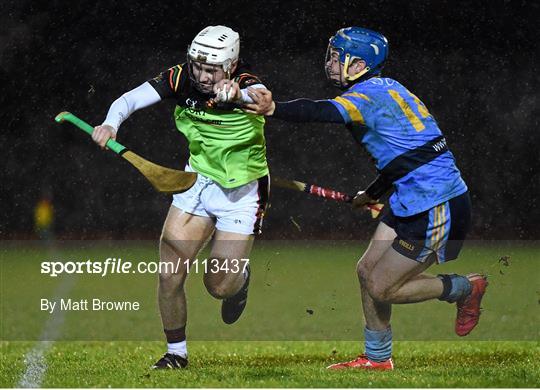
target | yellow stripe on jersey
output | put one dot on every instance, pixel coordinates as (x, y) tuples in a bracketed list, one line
[(177, 77), (174, 77), (407, 110), (356, 94), (353, 111)]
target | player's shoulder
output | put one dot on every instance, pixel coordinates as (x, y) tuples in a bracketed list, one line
[(245, 76), (172, 70), (173, 78), (373, 88), (362, 92), (377, 83)]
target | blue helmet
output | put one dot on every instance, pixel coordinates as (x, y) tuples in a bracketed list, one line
[(359, 43)]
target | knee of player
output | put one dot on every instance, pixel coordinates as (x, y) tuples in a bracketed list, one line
[(362, 271), (172, 248), (378, 291), (218, 286), (169, 282), (218, 290), (167, 239)]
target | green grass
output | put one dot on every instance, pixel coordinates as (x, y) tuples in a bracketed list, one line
[(277, 343), (281, 364)]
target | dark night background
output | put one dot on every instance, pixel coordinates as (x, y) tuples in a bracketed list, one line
[(474, 64)]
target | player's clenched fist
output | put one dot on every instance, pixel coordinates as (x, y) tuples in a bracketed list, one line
[(102, 134), (227, 91), (362, 200)]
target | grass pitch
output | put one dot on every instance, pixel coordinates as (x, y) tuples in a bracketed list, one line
[(280, 364), (303, 314)]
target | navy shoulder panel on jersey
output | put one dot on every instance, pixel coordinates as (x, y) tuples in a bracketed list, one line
[(171, 81)]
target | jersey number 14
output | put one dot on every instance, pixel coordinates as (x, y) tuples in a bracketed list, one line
[(408, 111)]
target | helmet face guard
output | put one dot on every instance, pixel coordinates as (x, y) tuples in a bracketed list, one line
[(328, 60), (343, 74), (356, 43), (204, 75)]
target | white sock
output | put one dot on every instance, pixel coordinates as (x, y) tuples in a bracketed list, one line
[(179, 349)]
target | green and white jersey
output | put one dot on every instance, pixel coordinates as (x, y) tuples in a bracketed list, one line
[(226, 144)]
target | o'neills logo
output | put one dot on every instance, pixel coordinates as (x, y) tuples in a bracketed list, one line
[(406, 245)]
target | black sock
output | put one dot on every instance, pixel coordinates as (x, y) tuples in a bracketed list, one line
[(447, 286)]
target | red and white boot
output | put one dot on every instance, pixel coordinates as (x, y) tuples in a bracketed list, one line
[(363, 363), (468, 308)]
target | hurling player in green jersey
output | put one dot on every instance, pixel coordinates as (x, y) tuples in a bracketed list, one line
[(228, 152)]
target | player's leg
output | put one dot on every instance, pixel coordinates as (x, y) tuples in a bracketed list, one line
[(376, 314), (446, 227), (182, 238), (397, 277), (417, 289), (377, 311), (239, 212), (230, 280), (394, 279), (468, 307), (232, 251), (421, 240)]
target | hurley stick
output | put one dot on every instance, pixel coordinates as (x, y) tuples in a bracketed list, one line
[(315, 190), (163, 179)]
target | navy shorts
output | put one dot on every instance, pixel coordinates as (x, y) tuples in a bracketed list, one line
[(440, 230)]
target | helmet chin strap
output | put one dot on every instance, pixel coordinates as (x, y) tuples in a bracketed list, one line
[(346, 69)]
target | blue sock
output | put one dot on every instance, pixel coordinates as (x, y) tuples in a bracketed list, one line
[(455, 287), (378, 344)]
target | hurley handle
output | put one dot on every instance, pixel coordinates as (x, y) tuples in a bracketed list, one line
[(327, 193), (69, 117)]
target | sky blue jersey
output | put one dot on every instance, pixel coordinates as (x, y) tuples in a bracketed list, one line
[(402, 136)]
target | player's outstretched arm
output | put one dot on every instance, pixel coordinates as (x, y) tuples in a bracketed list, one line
[(140, 97), (299, 110)]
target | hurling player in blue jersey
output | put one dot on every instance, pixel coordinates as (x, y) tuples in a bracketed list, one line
[(429, 212)]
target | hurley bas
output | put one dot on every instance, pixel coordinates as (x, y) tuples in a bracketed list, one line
[(94, 304)]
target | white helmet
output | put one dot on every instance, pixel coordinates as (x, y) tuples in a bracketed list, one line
[(215, 45)]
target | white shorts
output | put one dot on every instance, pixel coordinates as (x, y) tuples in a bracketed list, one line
[(235, 210)]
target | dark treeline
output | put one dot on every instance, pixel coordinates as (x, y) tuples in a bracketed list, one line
[(474, 64)]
